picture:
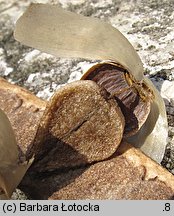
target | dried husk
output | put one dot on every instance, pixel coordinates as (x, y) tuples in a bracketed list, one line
[(11, 170), (134, 98), (152, 137), (65, 34)]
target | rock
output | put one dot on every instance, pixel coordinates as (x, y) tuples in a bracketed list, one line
[(167, 91)]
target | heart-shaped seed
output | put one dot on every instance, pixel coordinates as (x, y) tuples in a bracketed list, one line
[(81, 124)]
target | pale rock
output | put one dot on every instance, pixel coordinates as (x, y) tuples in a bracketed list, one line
[(167, 90)]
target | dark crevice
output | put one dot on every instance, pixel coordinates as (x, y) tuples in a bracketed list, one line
[(85, 165), (80, 124), (49, 173)]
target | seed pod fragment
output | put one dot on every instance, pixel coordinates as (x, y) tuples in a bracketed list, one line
[(127, 175), (81, 124), (133, 97), (153, 134), (11, 169)]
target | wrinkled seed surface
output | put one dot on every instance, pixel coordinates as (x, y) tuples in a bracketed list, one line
[(117, 82)]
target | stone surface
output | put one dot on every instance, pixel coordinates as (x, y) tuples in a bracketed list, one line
[(148, 25)]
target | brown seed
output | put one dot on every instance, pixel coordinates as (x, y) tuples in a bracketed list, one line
[(132, 97), (81, 124)]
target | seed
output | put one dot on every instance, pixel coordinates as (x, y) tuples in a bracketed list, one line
[(132, 97), (80, 125)]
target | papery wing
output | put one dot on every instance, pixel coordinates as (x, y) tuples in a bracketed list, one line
[(51, 29)]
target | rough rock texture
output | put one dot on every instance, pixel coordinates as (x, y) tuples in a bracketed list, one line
[(147, 24)]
